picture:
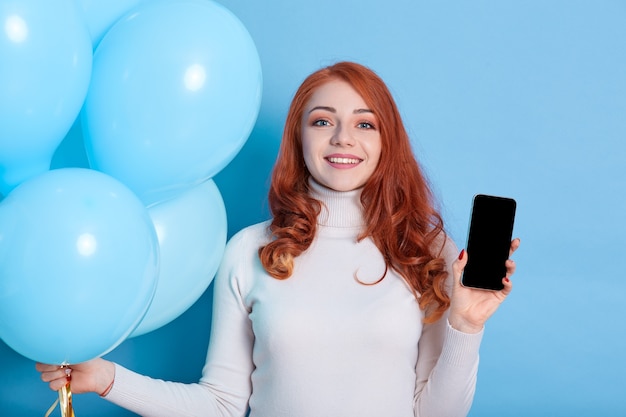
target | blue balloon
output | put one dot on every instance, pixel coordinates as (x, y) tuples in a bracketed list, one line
[(101, 15), (192, 230), (78, 265), (175, 93), (46, 61)]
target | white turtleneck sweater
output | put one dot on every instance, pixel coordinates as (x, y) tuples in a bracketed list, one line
[(318, 344)]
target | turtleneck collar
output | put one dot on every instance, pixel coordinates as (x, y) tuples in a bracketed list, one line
[(341, 209)]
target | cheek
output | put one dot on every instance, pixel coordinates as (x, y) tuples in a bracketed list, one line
[(307, 152), (374, 150), (309, 147)]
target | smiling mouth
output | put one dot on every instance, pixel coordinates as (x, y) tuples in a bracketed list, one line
[(349, 161)]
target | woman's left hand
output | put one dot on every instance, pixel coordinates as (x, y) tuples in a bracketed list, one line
[(470, 308)]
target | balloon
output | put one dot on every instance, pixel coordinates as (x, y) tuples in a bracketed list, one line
[(175, 92), (192, 230), (46, 59), (71, 151), (101, 15), (78, 265)]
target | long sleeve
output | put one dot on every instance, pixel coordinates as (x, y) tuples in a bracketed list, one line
[(225, 386), (447, 364), (320, 342)]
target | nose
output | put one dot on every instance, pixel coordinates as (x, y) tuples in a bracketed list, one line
[(342, 136)]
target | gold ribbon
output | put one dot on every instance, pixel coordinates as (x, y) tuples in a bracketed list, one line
[(64, 401)]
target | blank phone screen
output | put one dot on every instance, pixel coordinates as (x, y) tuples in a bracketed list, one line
[(489, 241)]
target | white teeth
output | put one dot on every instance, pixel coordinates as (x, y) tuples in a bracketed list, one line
[(343, 160)]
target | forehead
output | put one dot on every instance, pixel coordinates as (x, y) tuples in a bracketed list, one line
[(336, 93)]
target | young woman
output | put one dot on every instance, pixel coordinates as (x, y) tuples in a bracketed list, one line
[(347, 302)]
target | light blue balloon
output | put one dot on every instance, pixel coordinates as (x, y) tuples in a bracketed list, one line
[(192, 230), (45, 67), (100, 15), (78, 265), (175, 93)]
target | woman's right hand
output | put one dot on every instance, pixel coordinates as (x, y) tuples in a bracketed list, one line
[(96, 375)]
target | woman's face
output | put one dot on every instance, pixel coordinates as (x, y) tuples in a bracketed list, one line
[(340, 137)]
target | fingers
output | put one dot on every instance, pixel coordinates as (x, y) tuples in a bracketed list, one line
[(508, 286), (51, 372), (510, 263), (510, 267), (56, 376), (43, 367), (459, 264), (514, 245)]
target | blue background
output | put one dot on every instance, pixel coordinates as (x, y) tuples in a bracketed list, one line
[(522, 99)]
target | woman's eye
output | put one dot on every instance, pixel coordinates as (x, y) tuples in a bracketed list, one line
[(365, 125), (321, 122)]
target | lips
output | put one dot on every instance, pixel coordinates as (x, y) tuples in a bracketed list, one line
[(343, 160)]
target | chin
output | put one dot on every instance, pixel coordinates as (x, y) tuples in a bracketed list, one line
[(339, 184), (344, 187)]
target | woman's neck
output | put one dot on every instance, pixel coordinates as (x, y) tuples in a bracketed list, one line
[(339, 208)]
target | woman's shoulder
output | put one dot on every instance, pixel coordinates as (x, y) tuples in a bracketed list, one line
[(254, 236), (243, 247), (240, 263)]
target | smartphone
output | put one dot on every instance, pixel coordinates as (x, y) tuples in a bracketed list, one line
[(488, 241)]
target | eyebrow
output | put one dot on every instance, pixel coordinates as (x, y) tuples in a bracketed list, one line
[(333, 110)]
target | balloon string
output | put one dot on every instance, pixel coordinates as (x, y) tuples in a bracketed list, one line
[(64, 401), (52, 407)]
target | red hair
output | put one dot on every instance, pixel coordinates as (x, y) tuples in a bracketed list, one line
[(397, 201)]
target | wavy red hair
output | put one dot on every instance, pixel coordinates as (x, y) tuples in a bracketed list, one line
[(398, 204)]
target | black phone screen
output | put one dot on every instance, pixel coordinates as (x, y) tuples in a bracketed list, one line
[(489, 241)]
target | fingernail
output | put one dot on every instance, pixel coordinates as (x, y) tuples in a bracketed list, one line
[(461, 254), (507, 279)]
